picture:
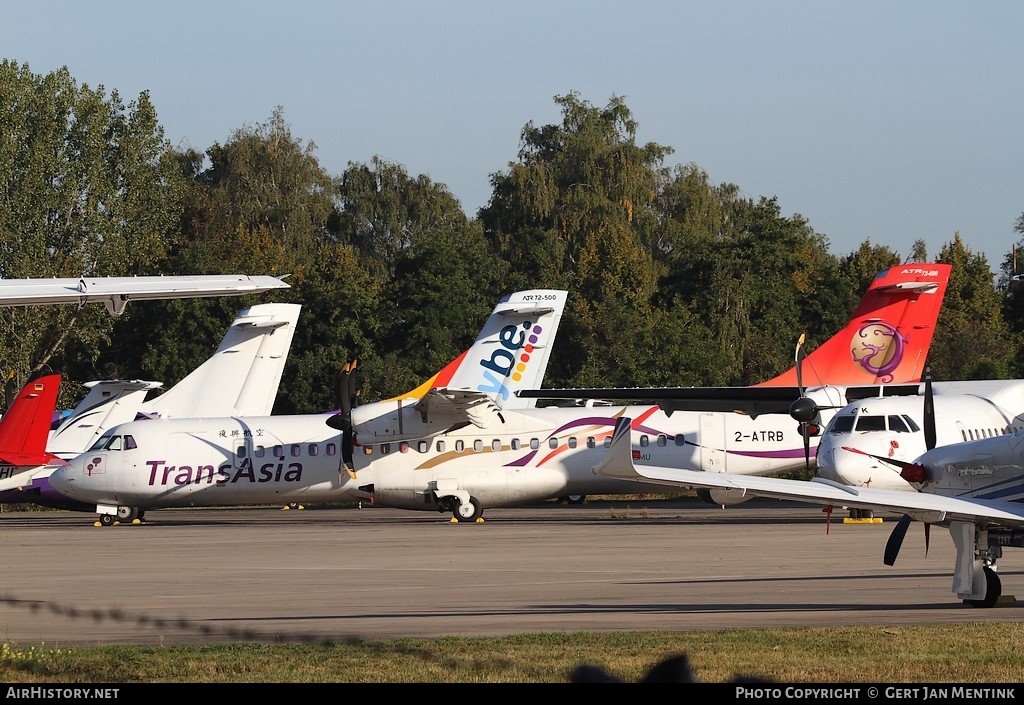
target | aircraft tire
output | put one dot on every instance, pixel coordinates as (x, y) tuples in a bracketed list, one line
[(127, 514), (993, 589), (107, 519), (467, 511), (575, 499)]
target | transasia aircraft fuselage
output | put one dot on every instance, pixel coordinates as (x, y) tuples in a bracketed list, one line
[(518, 456)]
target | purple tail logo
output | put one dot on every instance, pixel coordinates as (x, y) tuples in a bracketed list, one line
[(878, 348)]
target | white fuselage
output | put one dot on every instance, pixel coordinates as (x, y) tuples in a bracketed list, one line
[(519, 456), (211, 462)]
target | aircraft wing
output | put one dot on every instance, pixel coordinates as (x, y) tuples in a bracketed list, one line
[(747, 400), (115, 292), (919, 505), (744, 400)]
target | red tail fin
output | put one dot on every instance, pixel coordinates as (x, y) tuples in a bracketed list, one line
[(888, 338), (25, 428)]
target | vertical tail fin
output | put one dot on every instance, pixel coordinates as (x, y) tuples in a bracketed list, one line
[(511, 352), (888, 337), (242, 377), (108, 403), (25, 428)]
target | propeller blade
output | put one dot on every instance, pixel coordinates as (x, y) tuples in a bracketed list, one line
[(798, 358), (807, 446), (892, 546), (929, 411)]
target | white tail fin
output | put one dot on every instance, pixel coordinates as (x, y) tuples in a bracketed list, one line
[(241, 378), (511, 352), (243, 375), (108, 403)]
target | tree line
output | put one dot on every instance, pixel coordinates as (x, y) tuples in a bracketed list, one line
[(672, 279)]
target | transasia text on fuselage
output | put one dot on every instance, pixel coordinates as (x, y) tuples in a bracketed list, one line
[(162, 475)]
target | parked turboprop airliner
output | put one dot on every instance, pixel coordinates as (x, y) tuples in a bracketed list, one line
[(281, 459), (242, 377), (461, 453)]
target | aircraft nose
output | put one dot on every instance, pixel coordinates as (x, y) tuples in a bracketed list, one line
[(61, 479)]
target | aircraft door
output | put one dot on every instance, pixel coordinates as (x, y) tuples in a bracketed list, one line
[(712, 443)]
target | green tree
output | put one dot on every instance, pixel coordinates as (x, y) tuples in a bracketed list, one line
[(577, 211), (85, 193), (436, 278), (258, 204), (972, 340)]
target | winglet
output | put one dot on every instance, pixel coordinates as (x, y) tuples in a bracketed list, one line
[(618, 461)]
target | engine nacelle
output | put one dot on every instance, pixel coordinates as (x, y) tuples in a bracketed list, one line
[(394, 420), (723, 496)]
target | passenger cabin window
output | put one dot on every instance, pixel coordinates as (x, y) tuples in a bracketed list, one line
[(591, 442), (496, 444), (572, 441), (440, 446), (478, 445), (644, 441), (662, 440), (260, 451), (680, 439), (534, 444)]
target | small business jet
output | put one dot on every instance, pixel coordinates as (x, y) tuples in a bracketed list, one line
[(115, 292), (242, 377), (975, 489), (248, 460), (455, 450)]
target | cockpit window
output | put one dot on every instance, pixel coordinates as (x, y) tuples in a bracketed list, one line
[(870, 423), (911, 423), (129, 443), (897, 424), (843, 424)]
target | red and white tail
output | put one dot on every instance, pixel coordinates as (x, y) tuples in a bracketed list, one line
[(888, 337), (25, 428)]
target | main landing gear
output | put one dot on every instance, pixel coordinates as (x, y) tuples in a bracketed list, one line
[(462, 511), (123, 515)]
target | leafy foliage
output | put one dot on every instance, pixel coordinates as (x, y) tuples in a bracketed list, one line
[(673, 279)]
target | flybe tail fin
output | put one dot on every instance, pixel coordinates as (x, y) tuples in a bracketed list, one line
[(888, 337), (243, 375), (511, 352), (25, 427)]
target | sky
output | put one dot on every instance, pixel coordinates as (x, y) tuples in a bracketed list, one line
[(889, 122)]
